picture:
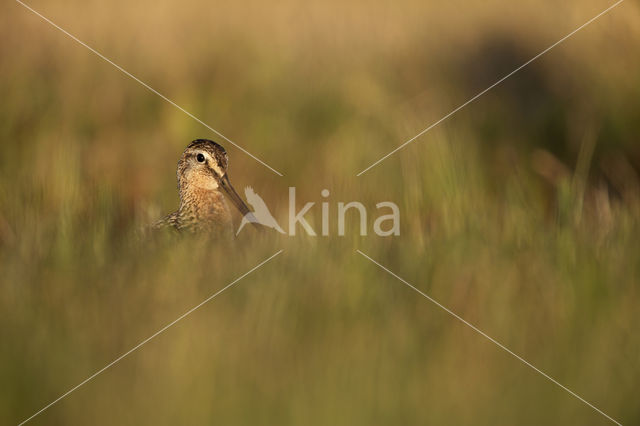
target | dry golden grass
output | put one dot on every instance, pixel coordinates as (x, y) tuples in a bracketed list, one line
[(520, 213)]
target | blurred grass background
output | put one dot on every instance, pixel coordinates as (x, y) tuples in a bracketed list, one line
[(520, 213)]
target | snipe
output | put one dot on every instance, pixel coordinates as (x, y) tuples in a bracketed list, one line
[(202, 185)]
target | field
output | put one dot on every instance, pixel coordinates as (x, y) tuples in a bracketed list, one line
[(520, 213)]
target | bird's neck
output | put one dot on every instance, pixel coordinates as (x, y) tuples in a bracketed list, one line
[(204, 208)]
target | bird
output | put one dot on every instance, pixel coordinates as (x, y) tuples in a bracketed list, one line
[(260, 214), (202, 184)]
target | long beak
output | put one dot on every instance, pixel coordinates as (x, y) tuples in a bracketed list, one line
[(235, 198)]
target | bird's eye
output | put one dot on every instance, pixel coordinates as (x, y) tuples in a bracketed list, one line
[(200, 158)]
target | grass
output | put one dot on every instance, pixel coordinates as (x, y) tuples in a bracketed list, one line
[(520, 214)]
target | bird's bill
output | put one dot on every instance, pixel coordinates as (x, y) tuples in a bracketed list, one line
[(233, 195)]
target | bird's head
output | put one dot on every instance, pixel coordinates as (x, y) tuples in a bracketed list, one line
[(203, 166)]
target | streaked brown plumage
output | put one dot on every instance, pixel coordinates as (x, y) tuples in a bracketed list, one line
[(202, 173)]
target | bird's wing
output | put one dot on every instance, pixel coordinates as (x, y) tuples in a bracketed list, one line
[(256, 201), (261, 213)]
